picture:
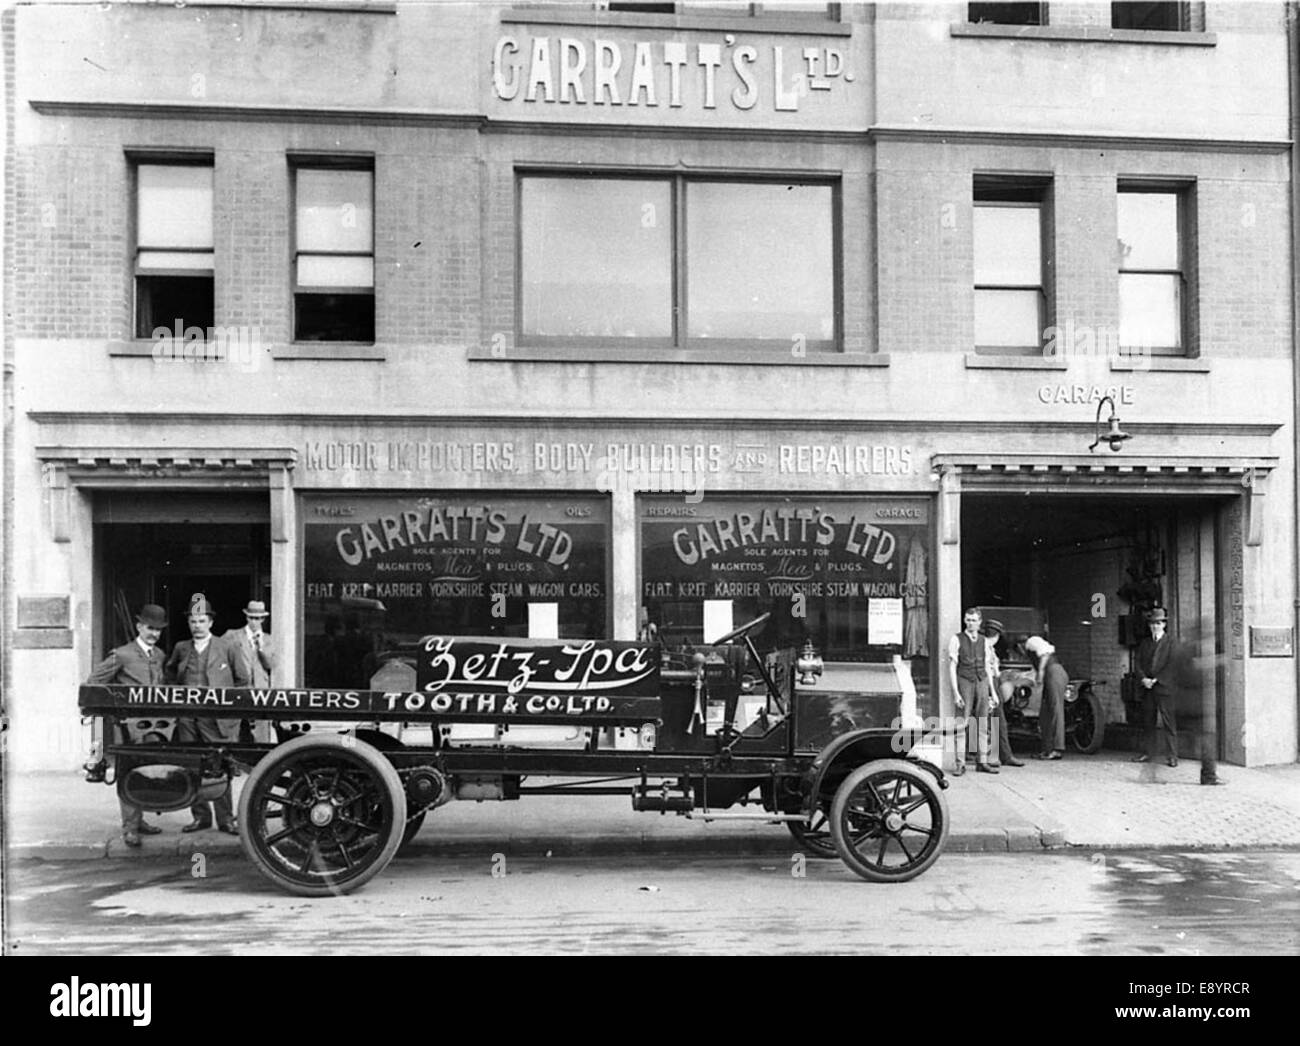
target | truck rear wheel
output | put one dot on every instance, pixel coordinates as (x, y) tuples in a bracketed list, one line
[(322, 814), (889, 821)]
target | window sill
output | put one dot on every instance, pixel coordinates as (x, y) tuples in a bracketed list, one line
[(727, 23), (977, 361), (1169, 364), (757, 358), (1083, 34), (329, 350)]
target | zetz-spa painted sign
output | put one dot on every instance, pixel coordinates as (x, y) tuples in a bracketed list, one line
[(594, 671)]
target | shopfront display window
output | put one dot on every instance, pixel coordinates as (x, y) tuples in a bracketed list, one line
[(851, 574), (381, 571)]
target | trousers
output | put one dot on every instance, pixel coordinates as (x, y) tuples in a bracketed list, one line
[(973, 730)]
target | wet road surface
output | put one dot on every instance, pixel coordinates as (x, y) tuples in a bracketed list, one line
[(1129, 903)]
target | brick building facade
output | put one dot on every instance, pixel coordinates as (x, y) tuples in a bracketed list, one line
[(571, 319)]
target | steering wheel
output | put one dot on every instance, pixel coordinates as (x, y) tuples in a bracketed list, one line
[(736, 633)]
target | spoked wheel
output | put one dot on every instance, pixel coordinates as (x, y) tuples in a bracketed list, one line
[(322, 815), (1086, 721), (815, 835), (889, 821)]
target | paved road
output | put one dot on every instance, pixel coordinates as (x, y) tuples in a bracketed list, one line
[(1138, 903)]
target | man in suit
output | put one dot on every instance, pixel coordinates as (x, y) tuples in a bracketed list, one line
[(1155, 666), (252, 645), (204, 660), (139, 662)]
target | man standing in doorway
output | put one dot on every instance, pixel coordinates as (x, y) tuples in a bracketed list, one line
[(204, 660), (251, 645), (138, 662), (970, 674), (1155, 666), (993, 631)]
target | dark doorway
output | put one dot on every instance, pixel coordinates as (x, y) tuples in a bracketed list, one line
[(166, 563)]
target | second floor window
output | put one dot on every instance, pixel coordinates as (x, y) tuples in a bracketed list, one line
[(1163, 16), (1007, 14), (334, 261), (1010, 296), (1152, 272), (677, 262), (174, 253)]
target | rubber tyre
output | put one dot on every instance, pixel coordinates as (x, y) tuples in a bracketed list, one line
[(386, 743), (1089, 713), (815, 839), (342, 780), (881, 803)]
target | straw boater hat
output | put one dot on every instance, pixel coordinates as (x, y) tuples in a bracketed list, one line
[(255, 608), (993, 625)]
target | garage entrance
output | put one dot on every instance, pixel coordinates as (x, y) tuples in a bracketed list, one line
[(1093, 564)]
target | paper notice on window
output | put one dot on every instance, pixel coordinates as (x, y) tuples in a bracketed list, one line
[(718, 619), (543, 620), (884, 622)]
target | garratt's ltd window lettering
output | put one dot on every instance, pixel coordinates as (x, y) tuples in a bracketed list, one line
[(849, 574), (382, 571)]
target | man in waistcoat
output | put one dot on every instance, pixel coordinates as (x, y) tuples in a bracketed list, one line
[(204, 660), (971, 676), (138, 662)]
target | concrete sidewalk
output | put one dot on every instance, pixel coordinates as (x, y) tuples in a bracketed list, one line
[(1098, 802)]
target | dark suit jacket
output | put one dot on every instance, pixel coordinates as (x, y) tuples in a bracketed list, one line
[(223, 667), (128, 664), (1155, 661)]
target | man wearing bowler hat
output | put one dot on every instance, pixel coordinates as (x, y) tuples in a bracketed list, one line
[(1155, 666), (138, 662), (207, 661), (252, 646)]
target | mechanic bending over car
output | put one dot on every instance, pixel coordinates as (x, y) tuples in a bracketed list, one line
[(1054, 680)]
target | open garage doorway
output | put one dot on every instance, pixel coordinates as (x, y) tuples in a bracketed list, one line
[(1091, 565)]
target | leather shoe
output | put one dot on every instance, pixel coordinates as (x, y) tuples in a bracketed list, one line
[(984, 768), (1171, 762), (1013, 762), (197, 826), (959, 769), (1213, 781), (131, 839), (148, 829), (230, 828), (1143, 758)]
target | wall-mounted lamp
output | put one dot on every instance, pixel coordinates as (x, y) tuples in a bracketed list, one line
[(1114, 435)]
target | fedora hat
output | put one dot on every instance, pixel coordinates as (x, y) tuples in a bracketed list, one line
[(199, 605), (255, 608), (1157, 614), (153, 615)]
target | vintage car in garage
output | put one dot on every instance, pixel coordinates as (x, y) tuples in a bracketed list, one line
[(1021, 692)]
